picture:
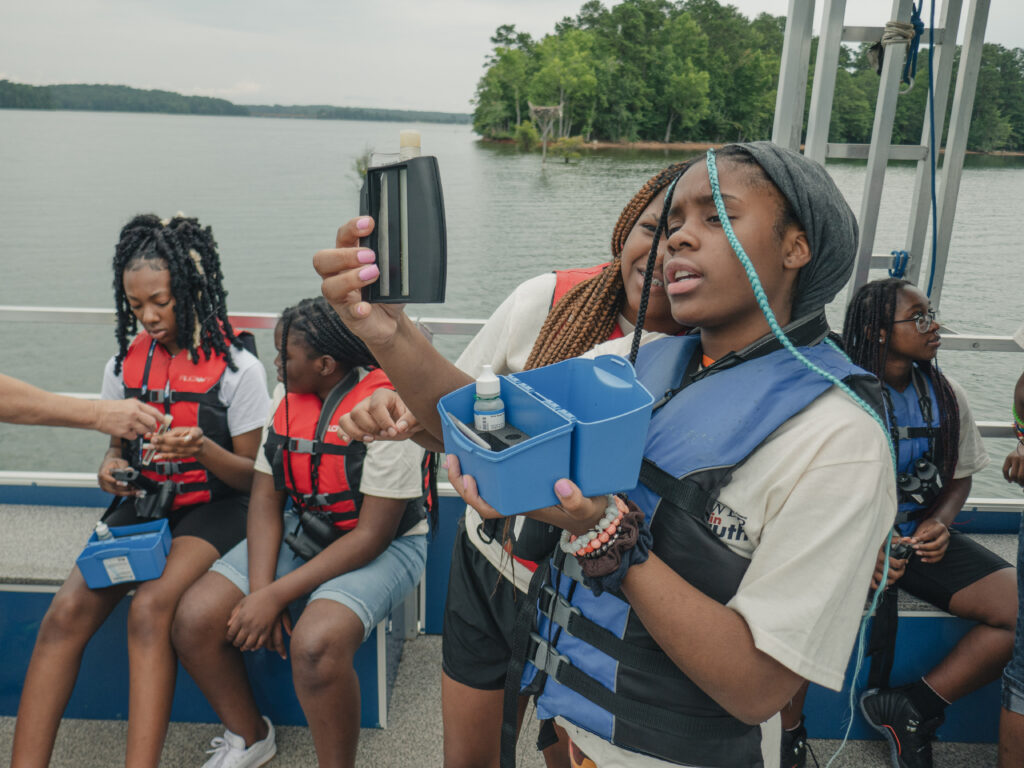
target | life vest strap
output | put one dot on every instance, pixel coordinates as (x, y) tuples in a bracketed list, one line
[(558, 667), (326, 499), (913, 433), (159, 397), (316, 447), (560, 611), (685, 494)]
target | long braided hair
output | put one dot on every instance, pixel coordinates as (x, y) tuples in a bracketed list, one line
[(189, 252), (587, 314), (869, 316)]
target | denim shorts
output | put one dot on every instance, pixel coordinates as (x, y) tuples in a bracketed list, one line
[(1013, 675), (371, 592)]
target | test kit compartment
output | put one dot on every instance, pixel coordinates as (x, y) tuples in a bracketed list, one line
[(612, 412), (521, 477), (586, 420), (135, 553)]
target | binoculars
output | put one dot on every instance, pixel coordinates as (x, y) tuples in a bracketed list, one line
[(314, 533)]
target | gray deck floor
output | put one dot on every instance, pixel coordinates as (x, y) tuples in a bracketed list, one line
[(413, 738)]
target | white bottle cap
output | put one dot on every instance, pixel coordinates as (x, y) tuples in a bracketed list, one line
[(408, 144), (487, 384)]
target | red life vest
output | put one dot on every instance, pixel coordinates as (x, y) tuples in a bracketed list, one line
[(320, 471), (567, 279), (190, 392)]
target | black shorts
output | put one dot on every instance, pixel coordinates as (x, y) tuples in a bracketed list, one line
[(965, 562), (220, 522), (479, 614)]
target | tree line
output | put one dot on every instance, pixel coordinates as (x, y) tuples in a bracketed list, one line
[(698, 70), (121, 98)]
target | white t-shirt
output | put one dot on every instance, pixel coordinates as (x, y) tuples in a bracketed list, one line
[(242, 392), (505, 343), (810, 508), (971, 454), (391, 470)]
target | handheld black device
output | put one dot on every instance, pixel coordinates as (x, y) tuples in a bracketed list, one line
[(409, 238), (133, 477)]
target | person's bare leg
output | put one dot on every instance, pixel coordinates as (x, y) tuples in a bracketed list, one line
[(199, 635), (981, 654), (1011, 739), (151, 660), (71, 620), (793, 712), (324, 643), (472, 725)]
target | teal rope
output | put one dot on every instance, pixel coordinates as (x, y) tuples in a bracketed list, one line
[(773, 324)]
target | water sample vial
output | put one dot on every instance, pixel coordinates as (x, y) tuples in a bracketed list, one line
[(488, 407), (103, 532)]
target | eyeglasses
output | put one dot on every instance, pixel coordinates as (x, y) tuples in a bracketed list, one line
[(923, 320)]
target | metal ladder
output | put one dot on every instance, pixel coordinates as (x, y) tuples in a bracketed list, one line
[(789, 110)]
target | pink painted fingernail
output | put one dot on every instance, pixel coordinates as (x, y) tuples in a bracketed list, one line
[(563, 488), (363, 223), (369, 273), (366, 257)]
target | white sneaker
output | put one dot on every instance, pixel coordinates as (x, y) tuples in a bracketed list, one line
[(229, 751)]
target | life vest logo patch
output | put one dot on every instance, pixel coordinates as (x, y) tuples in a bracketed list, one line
[(727, 524)]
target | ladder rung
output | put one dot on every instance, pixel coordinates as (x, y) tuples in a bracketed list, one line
[(881, 261), (915, 152), (874, 35)]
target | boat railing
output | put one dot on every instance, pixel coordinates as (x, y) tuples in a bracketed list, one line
[(434, 327)]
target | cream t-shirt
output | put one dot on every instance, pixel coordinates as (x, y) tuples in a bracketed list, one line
[(810, 508)]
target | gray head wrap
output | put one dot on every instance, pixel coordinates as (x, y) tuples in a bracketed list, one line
[(825, 216)]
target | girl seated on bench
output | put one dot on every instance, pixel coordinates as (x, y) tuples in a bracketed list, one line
[(353, 543), (188, 361)]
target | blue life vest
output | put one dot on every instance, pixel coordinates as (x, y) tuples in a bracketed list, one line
[(915, 436), (596, 664)]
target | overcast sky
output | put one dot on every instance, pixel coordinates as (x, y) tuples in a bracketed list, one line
[(406, 54)]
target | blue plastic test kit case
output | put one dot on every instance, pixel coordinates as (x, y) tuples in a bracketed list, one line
[(136, 553), (586, 420)]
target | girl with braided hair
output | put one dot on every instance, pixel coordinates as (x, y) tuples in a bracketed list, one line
[(187, 362), (677, 617), (353, 544), (892, 331), (547, 319)]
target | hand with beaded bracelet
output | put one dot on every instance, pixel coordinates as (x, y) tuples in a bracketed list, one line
[(607, 534), (576, 514)]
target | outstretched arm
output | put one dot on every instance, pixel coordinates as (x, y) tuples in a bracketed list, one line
[(21, 403), (418, 371)]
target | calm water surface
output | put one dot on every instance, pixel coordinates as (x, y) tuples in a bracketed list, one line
[(275, 191)]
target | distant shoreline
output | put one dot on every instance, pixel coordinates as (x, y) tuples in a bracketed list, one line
[(121, 98)]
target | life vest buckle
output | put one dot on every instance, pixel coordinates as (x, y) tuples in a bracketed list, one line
[(301, 445), (545, 658), (559, 610), (154, 396)]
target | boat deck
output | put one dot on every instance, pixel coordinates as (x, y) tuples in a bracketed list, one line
[(412, 738)]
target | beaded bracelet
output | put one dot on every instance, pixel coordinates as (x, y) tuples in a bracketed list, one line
[(597, 538), (605, 569)]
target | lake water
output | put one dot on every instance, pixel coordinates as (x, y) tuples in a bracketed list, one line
[(275, 191)]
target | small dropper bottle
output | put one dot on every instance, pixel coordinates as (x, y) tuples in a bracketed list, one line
[(488, 407), (103, 532)]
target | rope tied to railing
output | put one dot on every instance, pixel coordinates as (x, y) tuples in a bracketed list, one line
[(908, 34)]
